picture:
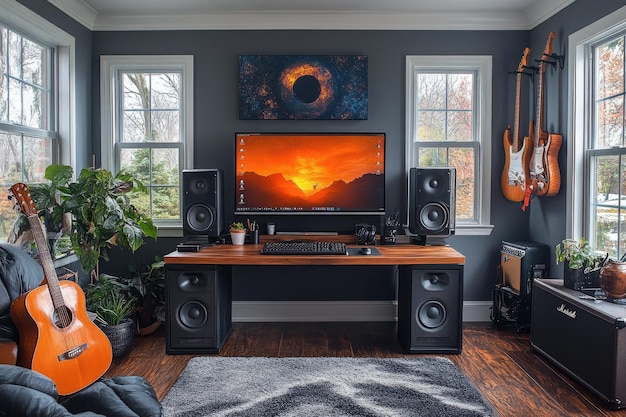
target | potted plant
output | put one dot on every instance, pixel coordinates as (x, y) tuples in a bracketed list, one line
[(237, 233), (103, 215), (147, 287), (581, 264), (114, 311)]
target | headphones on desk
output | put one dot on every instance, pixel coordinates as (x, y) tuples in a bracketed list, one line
[(365, 234)]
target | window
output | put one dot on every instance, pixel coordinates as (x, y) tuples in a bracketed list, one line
[(448, 124), (599, 127), (147, 127), (35, 101)]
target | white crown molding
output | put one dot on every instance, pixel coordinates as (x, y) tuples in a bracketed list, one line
[(534, 15), (316, 21), (541, 11), (77, 10)]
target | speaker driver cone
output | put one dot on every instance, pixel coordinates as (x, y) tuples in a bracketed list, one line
[(200, 217), (431, 314), (433, 217), (193, 314)]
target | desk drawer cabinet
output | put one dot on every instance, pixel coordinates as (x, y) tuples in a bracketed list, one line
[(585, 338)]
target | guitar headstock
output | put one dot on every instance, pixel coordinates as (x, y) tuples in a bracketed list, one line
[(24, 201), (548, 49), (523, 63)]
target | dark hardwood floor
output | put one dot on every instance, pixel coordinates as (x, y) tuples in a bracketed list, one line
[(499, 362)]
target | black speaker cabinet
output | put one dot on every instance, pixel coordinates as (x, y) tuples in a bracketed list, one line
[(199, 312), (430, 308), (582, 336), (203, 207), (432, 201)]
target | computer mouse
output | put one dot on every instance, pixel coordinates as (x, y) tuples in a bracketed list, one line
[(366, 251)]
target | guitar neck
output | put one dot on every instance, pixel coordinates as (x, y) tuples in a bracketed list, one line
[(516, 125), (46, 261), (539, 115)]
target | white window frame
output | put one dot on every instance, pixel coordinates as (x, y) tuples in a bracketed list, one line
[(482, 65), (110, 66), (30, 23), (580, 115)]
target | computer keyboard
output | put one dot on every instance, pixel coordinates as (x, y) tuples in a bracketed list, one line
[(304, 248)]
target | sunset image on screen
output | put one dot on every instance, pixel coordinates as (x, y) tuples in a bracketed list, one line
[(310, 172)]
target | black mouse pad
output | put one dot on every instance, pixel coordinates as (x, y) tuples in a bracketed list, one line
[(357, 252)]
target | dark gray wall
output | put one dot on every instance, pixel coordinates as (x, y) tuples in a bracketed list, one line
[(216, 120), (547, 215)]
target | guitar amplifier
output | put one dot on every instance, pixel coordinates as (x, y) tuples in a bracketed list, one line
[(583, 336), (520, 264)]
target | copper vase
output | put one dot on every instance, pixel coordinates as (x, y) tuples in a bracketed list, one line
[(613, 279)]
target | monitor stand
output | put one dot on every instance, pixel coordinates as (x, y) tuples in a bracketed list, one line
[(429, 240)]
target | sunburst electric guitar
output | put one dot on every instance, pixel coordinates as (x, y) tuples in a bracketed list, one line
[(57, 338), (515, 175), (545, 175)]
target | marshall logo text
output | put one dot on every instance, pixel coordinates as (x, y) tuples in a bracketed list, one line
[(566, 311)]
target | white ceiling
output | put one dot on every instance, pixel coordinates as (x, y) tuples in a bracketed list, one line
[(310, 14)]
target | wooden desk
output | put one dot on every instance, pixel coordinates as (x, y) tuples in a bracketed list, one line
[(251, 255), (199, 293)]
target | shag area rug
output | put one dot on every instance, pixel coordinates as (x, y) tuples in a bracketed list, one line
[(324, 387)]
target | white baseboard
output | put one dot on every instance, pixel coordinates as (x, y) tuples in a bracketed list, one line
[(329, 311)]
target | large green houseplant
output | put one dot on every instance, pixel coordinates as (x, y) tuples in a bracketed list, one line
[(103, 215)]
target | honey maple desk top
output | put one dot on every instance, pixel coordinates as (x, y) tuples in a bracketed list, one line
[(401, 254)]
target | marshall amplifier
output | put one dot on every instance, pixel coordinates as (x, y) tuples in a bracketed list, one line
[(583, 336), (520, 264)]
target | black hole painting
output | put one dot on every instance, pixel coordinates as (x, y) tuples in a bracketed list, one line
[(303, 87)]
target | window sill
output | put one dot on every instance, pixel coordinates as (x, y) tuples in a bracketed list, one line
[(473, 230)]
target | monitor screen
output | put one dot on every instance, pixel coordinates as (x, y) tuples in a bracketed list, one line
[(310, 173)]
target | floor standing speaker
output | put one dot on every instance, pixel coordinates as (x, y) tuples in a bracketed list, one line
[(199, 312), (203, 206), (430, 308), (431, 202)]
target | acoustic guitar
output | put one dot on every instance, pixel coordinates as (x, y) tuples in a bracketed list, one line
[(545, 175), (57, 338), (515, 175)]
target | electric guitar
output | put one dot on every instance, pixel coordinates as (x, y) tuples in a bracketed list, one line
[(57, 338), (545, 176), (515, 175)]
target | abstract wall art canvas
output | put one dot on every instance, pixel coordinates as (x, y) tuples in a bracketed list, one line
[(303, 87)]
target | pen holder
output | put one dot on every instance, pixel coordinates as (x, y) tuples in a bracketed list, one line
[(253, 237), (389, 235)]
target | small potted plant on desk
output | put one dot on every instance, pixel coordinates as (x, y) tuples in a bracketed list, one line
[(237, 233), (581, 265)]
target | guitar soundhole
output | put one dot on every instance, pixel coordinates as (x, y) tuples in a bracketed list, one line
[(62, 317)]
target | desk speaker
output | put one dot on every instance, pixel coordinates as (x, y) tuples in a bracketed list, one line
[(203, 207), (199, 312), (432, 201), (430, 309)]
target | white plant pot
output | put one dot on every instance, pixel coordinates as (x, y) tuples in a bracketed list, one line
[(238, 238)]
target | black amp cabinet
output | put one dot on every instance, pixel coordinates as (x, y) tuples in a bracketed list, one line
[(583, 336), (520, 264)]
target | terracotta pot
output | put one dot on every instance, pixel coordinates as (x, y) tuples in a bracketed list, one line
[(613, 279)]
